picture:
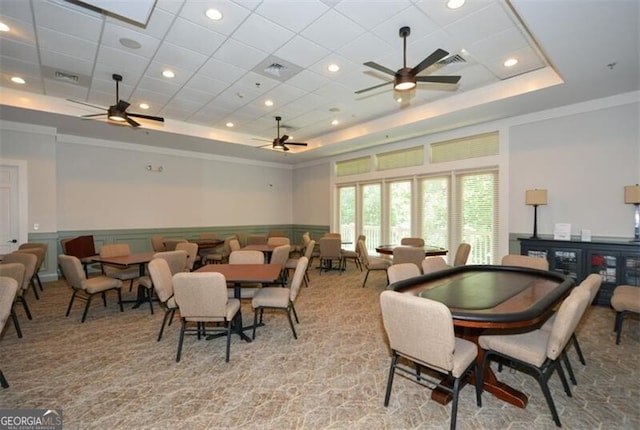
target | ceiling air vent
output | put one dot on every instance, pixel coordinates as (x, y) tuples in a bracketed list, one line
[(457, 58), (277, 68)]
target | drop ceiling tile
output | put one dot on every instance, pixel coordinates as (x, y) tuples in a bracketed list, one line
[(157, 100), (221, 70), (20, 31), (497, 45), (158, 85), (419, 23), (527, 61), (20, 10), (65, 63), (18, 50), (68, 45), (302, 52), (113, 33), (481, 24), (262, 34), (293, 14), (367, 46), (180, 109), (308, 80), (342, 29), (250, 79), (67, 20), (64, 90), (369, 14), (284, 94), (239, 54), (232, 15), (199, 83), (443, 16), (194, 97), (173, 55), (194, 37), (158, 25), (111, 60), (13, 66), (171, 6)]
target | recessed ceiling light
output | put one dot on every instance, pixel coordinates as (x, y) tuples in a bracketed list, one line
[(144, 106), (511, 62), (4, 27), (130, 43), (335, 122), (214, 14), (268, 103), (168, 74), (229, 124), (455, 4), (18, 80), (333, 68)]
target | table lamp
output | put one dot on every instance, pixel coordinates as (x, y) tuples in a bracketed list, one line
[(632, 197), (535, 198)]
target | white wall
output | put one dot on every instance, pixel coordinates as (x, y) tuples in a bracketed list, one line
[(311, 194)]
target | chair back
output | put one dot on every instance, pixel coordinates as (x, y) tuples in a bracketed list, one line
[(157, 244), (280, 255), (306, 237), (63, 244), (399, 272), (278, 241), (201, 295), (419, 328), (40, 254), (308, 251), (115, 250), (408, 254), (462, 254), (256, 239), (177, 260), (412, 241), (276, 233), (170, 244), (72, 271), (298, 277), (13, 271), (8, 290), (162, 278), (192, 253), (338, 235), (29, 262), (525, 261), (433, 264), (566, 320), (234, 245), (246, 256), (208, 236), (592, 283), (362, 252), (330, 248)]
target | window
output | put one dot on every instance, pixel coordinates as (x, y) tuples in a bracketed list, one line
[(399, 211), (347, 208), (435, 210), (371, 215)]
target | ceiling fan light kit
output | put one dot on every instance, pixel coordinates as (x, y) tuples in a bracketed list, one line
[(280, 143)]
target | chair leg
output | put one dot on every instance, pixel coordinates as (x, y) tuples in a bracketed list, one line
[(618, 327), (3, 380), (86, 307), (454, 403), (173, 312), (184, 323), (229, 341), (576, 345), (476, 371), (73, 296), (547, 395), (365, 279), (150, 295), (563, 379), (255, 322), (35, 290), (565, 359), (120, 299), (25, 306), (104, 298), (293, 329), (39, 282), (16, 323), (392, 371), (164, 322)]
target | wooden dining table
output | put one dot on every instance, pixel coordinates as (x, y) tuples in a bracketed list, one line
[(139, 259), (501, 298), (429, 251), (237, 274)]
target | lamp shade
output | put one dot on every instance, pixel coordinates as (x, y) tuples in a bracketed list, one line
[(535, 197), (632, 194)]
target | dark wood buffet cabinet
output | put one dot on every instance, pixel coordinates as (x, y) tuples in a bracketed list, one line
[(617, 261)]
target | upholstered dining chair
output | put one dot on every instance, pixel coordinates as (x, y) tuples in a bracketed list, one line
[(280, 298), (421, 331), (177, 261), (222, 255), (8, 290), (408, 254), (540, 351), (40, 249), (371, 263), (157, 244), (292, 263), (352, 254), (234, 245), (278, 240), (15, 271), (402, 271), (162, 279), (330, 253), (123, 274), (525, 261), (433, 264), (280, 255), (84, 288), (412, 241), (192, 254), (202, 300), (256, 239), (30, 262), (625, 300), (462, 254), (246, 256)]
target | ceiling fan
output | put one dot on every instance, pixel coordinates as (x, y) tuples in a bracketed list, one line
[(406, 79), (281, 143), (118, 112)]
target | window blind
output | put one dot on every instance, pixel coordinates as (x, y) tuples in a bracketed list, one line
[(353, 166), (480, 145), (402, 158)]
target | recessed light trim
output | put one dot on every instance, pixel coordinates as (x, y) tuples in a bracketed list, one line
[(455, 4), (268, 103), (510, 62), (4, 27), (143, 106), (18, 80), (168, 74), (229, 124), (213, 14), (333, 68), (335, 122)]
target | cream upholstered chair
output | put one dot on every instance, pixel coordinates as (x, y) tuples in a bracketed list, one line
[(40, 249), (256, 239), (123, 274), (234, 245), (161, 277), (625, 300), (462, 254), (246, 256), (421, 331), (30, 262), (402, 271), (331, 252), (221, 256), (278, 240), (280, 298), (433, 264), (8, 290), (412, 241), (207, 235), (84, 288), (157, 244), (170, 244), (276, 233), (292, 263), (192, 254), (525, 261), (177, 261), (408, 254), (349, 254), (202, 299), (371, 263), (15, 271), (280, 255), (540, 350)]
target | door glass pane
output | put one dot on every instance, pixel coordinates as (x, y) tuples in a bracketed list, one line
[(478, 216), (347, 218), (399, 211), (435, 211), (371, 215)]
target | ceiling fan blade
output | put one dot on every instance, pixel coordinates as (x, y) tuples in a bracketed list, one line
[(373, 88), (296, 143), (436, 56), (439, 79), (122, 106), (87, 104), (380, 68), (143, 116), (283, 139), (93, 115), (131, 122)]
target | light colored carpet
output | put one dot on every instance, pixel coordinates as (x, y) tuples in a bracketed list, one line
[(110, 373)]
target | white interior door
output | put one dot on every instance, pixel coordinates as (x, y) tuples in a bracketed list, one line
[(13, 230)]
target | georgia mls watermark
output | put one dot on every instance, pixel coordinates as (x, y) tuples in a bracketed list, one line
[(30, 419)]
